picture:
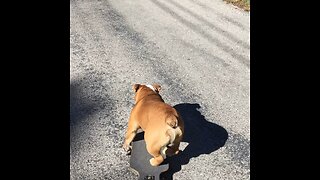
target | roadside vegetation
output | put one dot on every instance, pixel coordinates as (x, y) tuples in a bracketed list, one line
[(243, 4)]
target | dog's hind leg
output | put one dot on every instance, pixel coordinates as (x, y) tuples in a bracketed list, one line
[(158, 150), (157, 157)]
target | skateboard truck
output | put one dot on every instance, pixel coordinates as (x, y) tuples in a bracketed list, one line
[(139, 160)]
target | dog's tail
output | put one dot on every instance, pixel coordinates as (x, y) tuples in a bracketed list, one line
[(172, 134), (172, 121)]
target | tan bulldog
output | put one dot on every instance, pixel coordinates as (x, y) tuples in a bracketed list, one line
[(163, 127)]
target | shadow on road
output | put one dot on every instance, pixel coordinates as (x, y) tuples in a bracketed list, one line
[(203, 137), (84, 101), (80, 106)]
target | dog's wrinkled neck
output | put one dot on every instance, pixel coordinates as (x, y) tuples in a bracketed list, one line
[(140, 99)]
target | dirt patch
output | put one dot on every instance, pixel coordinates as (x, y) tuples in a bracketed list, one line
[(243, 4)]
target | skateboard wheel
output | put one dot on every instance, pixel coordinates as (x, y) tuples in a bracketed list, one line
[(149, 177)]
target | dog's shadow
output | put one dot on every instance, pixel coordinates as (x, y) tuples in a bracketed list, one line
[(203, 137)]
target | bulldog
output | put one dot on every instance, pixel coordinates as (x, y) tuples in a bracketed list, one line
[(163, 127)]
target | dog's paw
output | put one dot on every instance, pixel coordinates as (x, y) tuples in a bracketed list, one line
[(127, 148), (153, 162)]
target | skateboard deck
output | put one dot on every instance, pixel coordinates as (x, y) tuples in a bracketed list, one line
[(139, 160)]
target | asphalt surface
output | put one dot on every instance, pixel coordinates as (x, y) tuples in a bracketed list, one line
[(197, 50)]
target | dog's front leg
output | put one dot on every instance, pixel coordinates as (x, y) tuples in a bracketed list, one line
[(130, 134)]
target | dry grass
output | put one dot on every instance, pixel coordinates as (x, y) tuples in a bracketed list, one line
[(243, 4)]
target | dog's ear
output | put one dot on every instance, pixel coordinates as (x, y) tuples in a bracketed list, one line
[(157, 87), (136, 87)]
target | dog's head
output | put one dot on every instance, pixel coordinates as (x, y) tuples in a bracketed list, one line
[(142, 90)]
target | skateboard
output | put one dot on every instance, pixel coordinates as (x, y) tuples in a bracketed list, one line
[(139, 160)]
